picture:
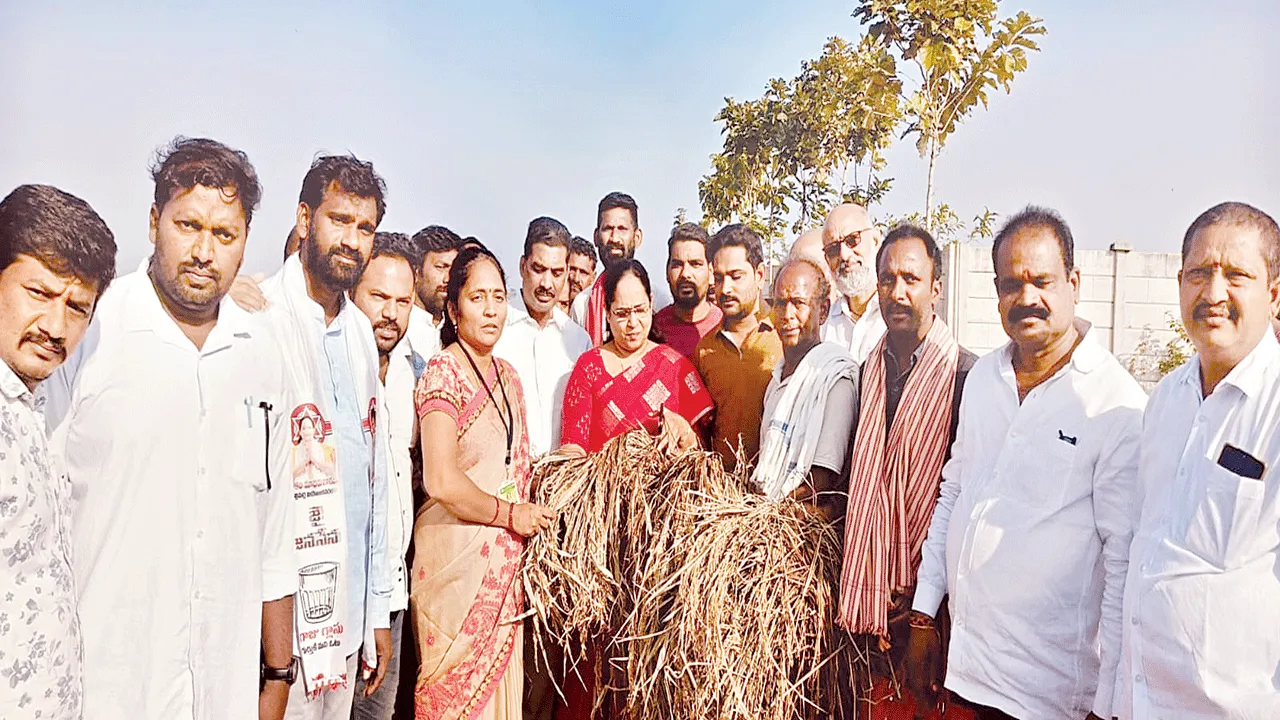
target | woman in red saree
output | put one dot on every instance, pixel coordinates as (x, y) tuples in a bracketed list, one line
[(629, 382), (464, 593)]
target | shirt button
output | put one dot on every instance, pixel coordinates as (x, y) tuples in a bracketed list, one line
[(1134, 620), (199, 534), (202, 472), (1138, 678)]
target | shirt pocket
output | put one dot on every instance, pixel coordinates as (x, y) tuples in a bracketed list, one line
[(1225, 527), (1047, 474), (249, 467)]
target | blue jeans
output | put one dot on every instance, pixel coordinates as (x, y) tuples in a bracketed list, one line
[(381, 704)]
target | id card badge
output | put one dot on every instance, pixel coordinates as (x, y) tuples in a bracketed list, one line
[(508, 491)]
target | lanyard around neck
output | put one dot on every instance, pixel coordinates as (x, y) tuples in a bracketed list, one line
[(508, 423)]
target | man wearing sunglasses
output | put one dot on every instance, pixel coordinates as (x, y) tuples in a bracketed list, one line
[(849, 243)]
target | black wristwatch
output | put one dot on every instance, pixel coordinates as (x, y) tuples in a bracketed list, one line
[(288, 675)]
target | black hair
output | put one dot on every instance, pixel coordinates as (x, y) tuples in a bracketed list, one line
[(689, 232), (471, 241), (436, 239), (906, 231), (187, 162), (738, 235), (1036, 216), (1238, 213), (458, 274), (613, 275), (394, 244), (352, 175), (615, 200), (61, 231), (547, 231), (824, 285), (582, 246)]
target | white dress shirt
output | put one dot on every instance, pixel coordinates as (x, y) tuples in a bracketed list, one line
[(423, 333), (858, 337), (1030, 537), (543, 358), (1202, 602), (183, 516), (403, 368)]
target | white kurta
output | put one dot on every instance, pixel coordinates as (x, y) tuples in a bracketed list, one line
[(423, 334), (858, 337), (402, 430), (543, 358), (177, 539), (1202, 601), (1030, 537)]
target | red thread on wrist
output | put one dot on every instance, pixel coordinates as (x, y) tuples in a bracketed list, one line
[(497, 508), (510, 511)]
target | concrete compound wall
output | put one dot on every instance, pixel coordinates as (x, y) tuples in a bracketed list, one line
[(1130, 297)]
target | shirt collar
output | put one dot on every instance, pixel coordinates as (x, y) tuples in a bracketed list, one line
[(295, 282), (517, 312), (12, 386), (841, 307), (1087, 356), (142, 311), (1249, 374)]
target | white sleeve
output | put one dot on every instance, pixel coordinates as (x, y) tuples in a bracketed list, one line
[(1115, 511), (931, 581), (279, 563)]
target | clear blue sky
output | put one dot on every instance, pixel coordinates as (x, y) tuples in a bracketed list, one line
[(1135, 116)]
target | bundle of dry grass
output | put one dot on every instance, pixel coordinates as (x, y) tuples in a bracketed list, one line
[(716, 603)]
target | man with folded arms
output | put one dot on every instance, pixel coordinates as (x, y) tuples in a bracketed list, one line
[(1202, 601), (1030, 536)]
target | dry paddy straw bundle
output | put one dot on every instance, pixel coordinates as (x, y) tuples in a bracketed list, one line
[(750, 631), (719, 602)]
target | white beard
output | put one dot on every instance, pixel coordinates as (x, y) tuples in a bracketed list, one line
[(857, 281)]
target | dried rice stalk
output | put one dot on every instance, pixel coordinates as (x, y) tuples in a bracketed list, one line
[(717, 603)]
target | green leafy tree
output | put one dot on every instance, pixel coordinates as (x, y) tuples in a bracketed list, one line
[(946, 226), (960, 51), (806, 144)]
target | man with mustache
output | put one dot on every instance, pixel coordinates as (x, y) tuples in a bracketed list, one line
[(911, 390), (691, 316), (617, 236), (438, 246), (539, 339), (582, 270), (175, 436), (56, 259), (811, 403), (339, 471), (737, 361), (1029, 539), (385, 294), (850, 242), (1202, 600)]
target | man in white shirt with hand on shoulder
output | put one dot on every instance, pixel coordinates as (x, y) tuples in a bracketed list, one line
[(540, 340), (172, 420), (1030, 536), (1202, 601)]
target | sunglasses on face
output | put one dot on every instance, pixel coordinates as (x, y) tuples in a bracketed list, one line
[(850, 241)]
